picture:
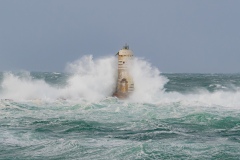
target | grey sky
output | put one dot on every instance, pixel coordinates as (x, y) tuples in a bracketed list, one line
[(174, 35)]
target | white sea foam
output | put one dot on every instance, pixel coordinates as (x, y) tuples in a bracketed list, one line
[(24, 88), (226, 99), (91, 80), (148, 83), (94, 80)]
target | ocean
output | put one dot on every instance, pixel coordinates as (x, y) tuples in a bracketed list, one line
[(71, 114)]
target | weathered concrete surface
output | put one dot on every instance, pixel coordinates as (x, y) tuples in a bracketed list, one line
[(125, 85)]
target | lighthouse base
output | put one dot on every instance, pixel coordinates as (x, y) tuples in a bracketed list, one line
[(121, 95)]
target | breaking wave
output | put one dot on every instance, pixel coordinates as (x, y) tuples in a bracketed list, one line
[(93, 80), (67, 115), (90, 79)]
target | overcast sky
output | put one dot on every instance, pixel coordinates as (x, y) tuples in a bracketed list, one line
[(198, 36)]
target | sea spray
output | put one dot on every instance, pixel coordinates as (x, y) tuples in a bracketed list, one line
[(89, 79), (93, 80), (148, 83), (51, 119), (24, 87)]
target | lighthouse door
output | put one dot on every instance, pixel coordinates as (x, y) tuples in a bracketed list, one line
[(124, 85)]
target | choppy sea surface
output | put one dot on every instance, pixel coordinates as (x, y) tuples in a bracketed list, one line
[(48, 115)]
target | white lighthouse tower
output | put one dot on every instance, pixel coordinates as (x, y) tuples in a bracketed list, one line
[(125, 83)]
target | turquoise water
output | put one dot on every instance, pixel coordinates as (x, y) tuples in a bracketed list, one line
[(194, 116)]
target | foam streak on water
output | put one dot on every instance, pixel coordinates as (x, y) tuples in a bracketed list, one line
[(73, 116)]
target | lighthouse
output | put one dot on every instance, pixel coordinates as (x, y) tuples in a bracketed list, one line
[(125, 85)]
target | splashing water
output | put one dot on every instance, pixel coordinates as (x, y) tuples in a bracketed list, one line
[(91, 80), (148, 82), (73, 116), (94, 80)]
